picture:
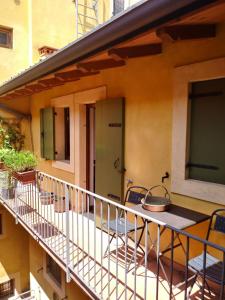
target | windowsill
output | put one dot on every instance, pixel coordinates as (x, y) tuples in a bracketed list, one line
[(212, 192), (65, 165)]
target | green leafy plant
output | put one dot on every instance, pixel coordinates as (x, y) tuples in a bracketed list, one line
[(4, 152), (10, 135), (20, 161)]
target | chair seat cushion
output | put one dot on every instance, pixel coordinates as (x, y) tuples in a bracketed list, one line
[(121, 228), (213, 268)]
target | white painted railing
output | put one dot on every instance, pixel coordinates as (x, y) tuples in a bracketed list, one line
[(95, 240)]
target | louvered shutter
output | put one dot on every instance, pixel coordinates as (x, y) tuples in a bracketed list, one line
[(47, 133)]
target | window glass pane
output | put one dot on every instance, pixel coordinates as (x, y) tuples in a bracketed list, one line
[(3, 38), (207, 130)]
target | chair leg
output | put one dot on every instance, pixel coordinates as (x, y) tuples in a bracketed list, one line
[(138, 244), (190, 290), (107, 249)]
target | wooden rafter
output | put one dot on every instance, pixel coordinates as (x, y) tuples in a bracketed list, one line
[(51, 82), (36, 87), (100, 65), (135, 51), (187, 32), (74, 75)]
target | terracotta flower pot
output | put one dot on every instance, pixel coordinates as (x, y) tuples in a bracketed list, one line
[(46, 198), (25, 177)]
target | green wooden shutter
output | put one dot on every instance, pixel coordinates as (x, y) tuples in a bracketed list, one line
[(109, 170), (47, 133), (207, 128)]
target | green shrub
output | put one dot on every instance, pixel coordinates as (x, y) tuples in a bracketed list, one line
[(4, 152), (20, 161)]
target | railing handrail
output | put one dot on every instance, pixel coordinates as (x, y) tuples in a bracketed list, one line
[(136, 213)]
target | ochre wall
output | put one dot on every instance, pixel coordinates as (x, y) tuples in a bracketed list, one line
[(147, 85), (43, 289), (14, 15), (14, 252)]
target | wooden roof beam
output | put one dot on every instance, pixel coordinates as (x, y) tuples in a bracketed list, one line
[(135, 51), (51, 82), (186, 32), (98, 65), (74, 75)]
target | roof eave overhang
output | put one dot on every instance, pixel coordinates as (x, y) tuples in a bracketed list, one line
[(145, 16)]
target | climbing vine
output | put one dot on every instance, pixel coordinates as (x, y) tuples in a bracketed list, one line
[(10, 135)]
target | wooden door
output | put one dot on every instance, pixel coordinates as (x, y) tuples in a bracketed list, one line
[(109, 175)]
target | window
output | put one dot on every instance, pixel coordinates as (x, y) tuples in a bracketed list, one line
[(5, 37), (7, 288), (207, 130), (198, 165), (62, 133), (57, 133), (53, 270)]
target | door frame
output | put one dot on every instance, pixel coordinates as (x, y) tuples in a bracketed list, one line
[(81, 99)]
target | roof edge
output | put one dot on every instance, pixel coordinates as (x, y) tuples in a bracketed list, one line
[(140, 18)]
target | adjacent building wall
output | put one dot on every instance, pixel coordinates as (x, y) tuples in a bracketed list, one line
[(38, 283), (14, 252)]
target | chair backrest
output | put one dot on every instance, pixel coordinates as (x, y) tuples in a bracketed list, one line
[(134, 194), (217, 222)]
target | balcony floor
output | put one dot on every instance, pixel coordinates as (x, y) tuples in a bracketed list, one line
[(107, 275)]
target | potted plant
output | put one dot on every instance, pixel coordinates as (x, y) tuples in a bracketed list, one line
[(6, 181), (22, 165), (3, 153)]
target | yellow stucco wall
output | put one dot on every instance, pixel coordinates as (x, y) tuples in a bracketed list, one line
[(43, 289), (39, 23), (14, 251), (147, 85), (14, 15)]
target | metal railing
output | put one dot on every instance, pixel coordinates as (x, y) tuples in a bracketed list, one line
[(76, 226)]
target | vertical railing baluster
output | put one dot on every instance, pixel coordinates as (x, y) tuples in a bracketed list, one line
[(146, 258), (126, 245), (157, 258), (171, 263), (78, 246), (204, 271), (94, 198), (117, 252), (222, 278), (135, 256), (67, 199), (186, 268), (82, 214), (108, 247), (101, 216), (88, 235)]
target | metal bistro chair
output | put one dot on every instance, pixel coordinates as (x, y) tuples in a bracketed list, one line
[(122, 227), (213, 270)]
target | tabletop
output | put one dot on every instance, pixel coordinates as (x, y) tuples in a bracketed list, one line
[(176, 216)]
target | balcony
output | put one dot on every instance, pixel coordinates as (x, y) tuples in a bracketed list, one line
[(74, 226)]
